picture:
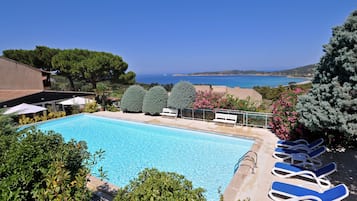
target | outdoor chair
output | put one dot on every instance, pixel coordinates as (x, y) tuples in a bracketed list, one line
[(284, 191), (300, 143), (300, 158), (285, 170)]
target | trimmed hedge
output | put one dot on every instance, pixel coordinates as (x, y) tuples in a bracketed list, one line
[(154, 100), (132, 100), (183, 94)]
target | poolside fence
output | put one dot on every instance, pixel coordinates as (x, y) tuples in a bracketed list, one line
[(244, 118)]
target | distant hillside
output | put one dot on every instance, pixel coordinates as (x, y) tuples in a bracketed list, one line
[(303, 71)]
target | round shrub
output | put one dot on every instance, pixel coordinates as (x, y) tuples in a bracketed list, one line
[(152, 184), (132, 100), (183, 94), (154, 100)]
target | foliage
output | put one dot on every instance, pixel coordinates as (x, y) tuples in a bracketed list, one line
[(133, 98), (111, 108), (66, 63), (155, 100), (76, 64), (7, 126), (101, 92), (207, 100), (36, 118), (274, 93), (41, 166), (128, 78), (40, 57), (91, 107), (270, 93), (233, 103), (285, 118), (331, 105), (152, 184), (183, 94)]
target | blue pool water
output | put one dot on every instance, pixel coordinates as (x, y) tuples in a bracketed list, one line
[(206, 159)]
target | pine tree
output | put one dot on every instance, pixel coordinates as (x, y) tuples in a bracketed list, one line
[(331, 105)]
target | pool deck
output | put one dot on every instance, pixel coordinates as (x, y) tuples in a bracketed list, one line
[(249, 181)]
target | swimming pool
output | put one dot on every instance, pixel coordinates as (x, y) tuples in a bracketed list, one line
[(206, 159)]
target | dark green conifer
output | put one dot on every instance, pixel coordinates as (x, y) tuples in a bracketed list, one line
[(331, 105)]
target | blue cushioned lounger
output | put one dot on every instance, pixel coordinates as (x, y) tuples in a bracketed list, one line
[(297, 143), (309, 157), (284, 191), (286, 170)]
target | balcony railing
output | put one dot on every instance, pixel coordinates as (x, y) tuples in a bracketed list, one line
[(244, 118)]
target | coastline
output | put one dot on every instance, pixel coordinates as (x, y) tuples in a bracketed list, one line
[(235, 74)]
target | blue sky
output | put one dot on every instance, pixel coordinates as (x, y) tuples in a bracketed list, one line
[(180, 36)]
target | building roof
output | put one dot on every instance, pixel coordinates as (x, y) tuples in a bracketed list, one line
[(241, 93), (35, 96), (6, 95)]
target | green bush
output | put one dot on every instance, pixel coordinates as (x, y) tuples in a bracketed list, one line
[(133, 98), (111, 108), (152, 184), (155, 99), (233, 103), (41, 166), (183, 95), (90, 107)]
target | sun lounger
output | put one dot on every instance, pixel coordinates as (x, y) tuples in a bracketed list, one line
[(300, 143), (284, 191), (225, 118), (170, 112), (285, 170), (300, 158)]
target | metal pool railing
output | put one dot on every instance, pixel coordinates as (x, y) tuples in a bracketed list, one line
[(244, 118)]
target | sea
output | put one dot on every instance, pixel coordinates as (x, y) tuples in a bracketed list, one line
[(242, 81)]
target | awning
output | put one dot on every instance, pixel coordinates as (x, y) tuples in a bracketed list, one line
[(76, 101), (24, 109)]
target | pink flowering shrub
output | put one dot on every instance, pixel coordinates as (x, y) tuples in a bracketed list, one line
[(207, 100), (233, 103), (285, 118)]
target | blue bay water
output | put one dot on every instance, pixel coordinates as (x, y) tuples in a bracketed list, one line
[(207, 160), (243, 81)]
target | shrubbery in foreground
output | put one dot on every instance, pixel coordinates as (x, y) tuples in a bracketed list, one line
[(132, 100), (152, 184), (155, 100), (41, 166)]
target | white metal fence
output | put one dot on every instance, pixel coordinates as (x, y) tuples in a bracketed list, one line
[(244, 118)]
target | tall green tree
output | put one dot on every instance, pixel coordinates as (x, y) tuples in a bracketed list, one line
[(40, 57), (24, 56), (91, 66), (43, 57), (67, 63), (331, 105), (101, 66)]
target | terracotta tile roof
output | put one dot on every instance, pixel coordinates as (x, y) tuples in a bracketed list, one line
[(6, 95), (236, 92)]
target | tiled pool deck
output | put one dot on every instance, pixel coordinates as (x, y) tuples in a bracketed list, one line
[(247, 182)]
